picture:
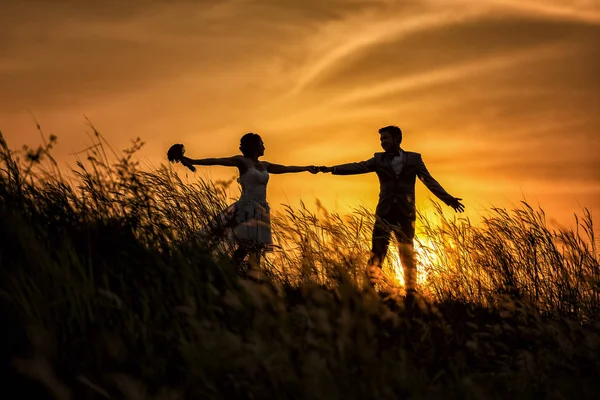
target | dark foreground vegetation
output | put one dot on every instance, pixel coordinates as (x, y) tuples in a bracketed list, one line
[(108, 289)]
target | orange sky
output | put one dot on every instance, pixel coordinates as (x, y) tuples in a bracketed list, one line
[(501, 97)]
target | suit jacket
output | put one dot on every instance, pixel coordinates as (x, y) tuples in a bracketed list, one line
[(397, 193)]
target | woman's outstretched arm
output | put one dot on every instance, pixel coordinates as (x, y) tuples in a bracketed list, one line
[(287, 169), (234, 161)]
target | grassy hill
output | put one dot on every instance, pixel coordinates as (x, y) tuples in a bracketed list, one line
[(107, 290)]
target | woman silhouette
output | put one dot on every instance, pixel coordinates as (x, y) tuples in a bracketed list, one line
[(249, 217)]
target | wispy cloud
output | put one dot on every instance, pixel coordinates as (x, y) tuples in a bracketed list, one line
[(581, 10), (440, 75), (344, 40)]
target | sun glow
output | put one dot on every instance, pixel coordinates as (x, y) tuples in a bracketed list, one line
[(427, 256)]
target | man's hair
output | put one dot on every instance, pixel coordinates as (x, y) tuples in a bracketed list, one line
[(249, 143), (392, 130)]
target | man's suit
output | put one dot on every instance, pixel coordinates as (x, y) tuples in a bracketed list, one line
[(396, 209)]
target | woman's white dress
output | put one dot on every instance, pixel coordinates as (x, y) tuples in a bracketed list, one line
[(248, 220)]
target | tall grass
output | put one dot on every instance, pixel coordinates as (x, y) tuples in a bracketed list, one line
[(516, 255), (110, 289)]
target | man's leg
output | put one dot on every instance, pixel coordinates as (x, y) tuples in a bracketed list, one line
[(409, 264), (405, 232), (380, 242)]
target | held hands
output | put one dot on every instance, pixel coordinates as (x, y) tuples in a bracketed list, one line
[(313, 169)]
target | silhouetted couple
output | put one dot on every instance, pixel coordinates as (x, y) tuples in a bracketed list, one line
[(396, 169)]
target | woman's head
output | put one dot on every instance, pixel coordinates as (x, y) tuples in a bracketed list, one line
[(251, 145)]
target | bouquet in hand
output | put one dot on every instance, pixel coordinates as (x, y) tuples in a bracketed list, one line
[(175, 154)]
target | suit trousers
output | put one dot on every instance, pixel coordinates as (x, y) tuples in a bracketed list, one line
[(403, 227)]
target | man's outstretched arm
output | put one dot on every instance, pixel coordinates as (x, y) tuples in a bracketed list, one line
[(437, 189), (354, 168)]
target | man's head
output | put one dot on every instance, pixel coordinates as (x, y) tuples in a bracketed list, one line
[(390, 137)]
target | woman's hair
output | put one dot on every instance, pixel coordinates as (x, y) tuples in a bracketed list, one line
[(249, 143)]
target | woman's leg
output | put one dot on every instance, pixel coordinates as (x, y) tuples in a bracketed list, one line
[(254, 272), (239, 255), (254, 259), (253, 264)]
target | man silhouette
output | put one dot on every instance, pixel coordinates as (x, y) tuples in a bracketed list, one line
[(396, 212)]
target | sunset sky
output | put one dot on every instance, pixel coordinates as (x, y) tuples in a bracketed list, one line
[(502, 97)]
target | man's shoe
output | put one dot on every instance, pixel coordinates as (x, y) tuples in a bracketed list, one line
[(410, 299)]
